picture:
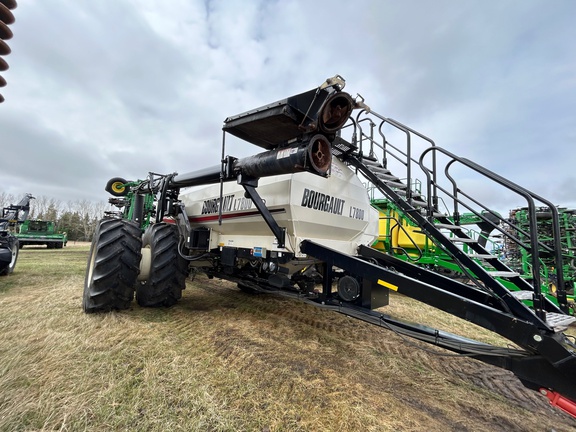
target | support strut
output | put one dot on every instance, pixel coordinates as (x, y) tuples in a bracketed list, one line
[(249, 186)]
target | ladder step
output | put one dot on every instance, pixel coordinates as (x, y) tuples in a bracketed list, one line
[(483, 256), (342, 147), (396, 184), (558, 321), (463, 240), (371, 163), (447, 226), (387, 177), (403, 192), (503, 273), (418, 203), (379, 170), (522, 295)]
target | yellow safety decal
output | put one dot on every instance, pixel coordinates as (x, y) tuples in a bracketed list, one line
[(388, 285)]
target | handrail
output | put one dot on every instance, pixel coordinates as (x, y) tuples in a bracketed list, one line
[(370, 145), (526, 194), (407, 131), (404, 251)]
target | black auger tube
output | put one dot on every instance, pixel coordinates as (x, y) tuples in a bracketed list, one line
[(201, 177), (314, 157)]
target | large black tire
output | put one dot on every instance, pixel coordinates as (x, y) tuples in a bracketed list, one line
[(168, 270), (7, 268), (113, 266)]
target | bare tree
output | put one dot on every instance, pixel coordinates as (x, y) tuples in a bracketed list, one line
[(99, 209), (6, 199), (88, 213), (38, 206)]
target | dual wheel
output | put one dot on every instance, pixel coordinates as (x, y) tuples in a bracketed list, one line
[(122, 263)]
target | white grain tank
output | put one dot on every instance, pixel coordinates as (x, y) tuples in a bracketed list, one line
[(333, 211)]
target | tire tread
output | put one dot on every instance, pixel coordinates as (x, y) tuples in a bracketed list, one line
[(117, 248), (168, 270)]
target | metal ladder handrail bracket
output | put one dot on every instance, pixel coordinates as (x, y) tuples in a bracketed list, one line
[(541, 304), (404, 251)]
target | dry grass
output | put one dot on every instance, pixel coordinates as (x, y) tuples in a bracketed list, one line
[(222, 360)]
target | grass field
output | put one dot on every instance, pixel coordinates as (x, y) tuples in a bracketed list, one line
[(223, 360)]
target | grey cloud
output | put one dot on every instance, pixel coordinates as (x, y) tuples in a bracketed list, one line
[(129, 86)]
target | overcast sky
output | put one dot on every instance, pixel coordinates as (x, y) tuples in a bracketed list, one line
[(106, 88)]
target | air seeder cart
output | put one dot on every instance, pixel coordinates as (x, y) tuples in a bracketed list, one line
[(296, 220)]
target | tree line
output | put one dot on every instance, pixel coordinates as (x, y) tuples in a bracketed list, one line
[(78, 219)]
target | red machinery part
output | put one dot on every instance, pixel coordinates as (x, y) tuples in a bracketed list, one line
[(557, 400)]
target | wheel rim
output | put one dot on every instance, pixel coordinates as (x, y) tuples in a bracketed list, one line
[(145, 264), (118, 187), (14, 256), (91, 265)]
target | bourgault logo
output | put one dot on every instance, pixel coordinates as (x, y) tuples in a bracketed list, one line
[(212, 206), (319, 201)]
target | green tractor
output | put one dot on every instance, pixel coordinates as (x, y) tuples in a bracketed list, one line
[(40, 232)]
